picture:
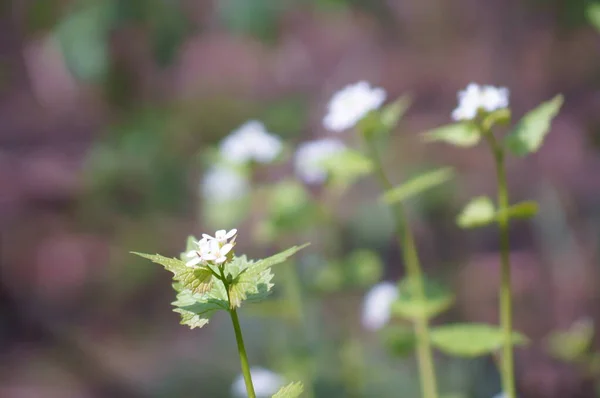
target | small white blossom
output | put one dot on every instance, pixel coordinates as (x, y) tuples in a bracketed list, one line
[(198, 256), (251, 141), (217, 252), (221, 183), (310, 156), (349, 105), (377, 305), (475, 98), (266, 383), (222, 236)]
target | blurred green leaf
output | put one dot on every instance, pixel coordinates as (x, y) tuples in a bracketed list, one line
[(392, 113), (471, 339), (529, 133), (437, 300), (418, 184), (458, 134), (399, 340), (499, 117), (522, 210), (83, 38), (346, 166), (478, 212), (572, 344), (292, 390), (592, 13)]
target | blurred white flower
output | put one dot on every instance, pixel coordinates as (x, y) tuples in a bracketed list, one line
[(251, 141), (266, 383), (310, 156), (475, 98), (377, 305), (349, 105), (222, 183)]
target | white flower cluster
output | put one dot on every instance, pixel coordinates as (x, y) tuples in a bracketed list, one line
[(476, 98), (310, 156), (212, 249), (377, 305), (251, 141), (266, 383), (352, 103)]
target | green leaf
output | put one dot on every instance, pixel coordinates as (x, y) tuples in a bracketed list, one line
[(529, 133), (572, 344), (292, 390), (344, 167), (478, 212), (592, 13), (437, 300), (392, 113), (198, 280), (417, 185), (277, 258), (458, 134), (471, 339), (500, 116), (196, 309), (399, 340), (522, 210)]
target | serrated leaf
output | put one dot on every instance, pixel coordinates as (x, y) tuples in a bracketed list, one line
[(417, 185), (278, 258), (198, 280), (471, 339), (196, 309), (571, 344), (292, 390), (345, 167), (437, 300), (458, 134), (392, 113), (529, 133), (478, 212)]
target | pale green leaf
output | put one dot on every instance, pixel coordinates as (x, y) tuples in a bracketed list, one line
[(345, 167), (418, 184), (292, 390), (471, 339), (592, 13), (198, 280), (196, 309), (408, 305), (522, 210), (392, 113), (571, 344), (278, 258), (529, 133), (498, 117), (459, 134), (478, 212)]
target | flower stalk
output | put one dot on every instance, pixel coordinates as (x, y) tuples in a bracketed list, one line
[(242, 353), (406, 243)]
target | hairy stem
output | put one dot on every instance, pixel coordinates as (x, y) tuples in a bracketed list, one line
[(507, 362), (406, 242)]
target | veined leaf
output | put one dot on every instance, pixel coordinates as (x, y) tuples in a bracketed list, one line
[(529, 133), (196, 309), (459, 134), (471, 339), (198, 280), (292, 390), (478, 212), (418, 184)]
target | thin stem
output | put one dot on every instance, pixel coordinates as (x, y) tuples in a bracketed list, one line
[(507, 362), (242, 353), (406, 242)]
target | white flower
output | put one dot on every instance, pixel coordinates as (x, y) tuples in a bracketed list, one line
[(251, 141), (475, 98), (266, 383), (198, 256), (217, 253), (310, 156), (377, 305), (222, 183), (222, 236), (349, 105)]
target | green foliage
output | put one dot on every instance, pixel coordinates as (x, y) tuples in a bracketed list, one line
[(292, 390), (478, 212), (418, 184), (196, 309), (391, 114), (522, 210), (347, 166), (437, 300), (463, 134), (592, 13), (399, 340), (360, 268), (499, 117), (83, 38), (471, 339), (529, 133), (572, 344)]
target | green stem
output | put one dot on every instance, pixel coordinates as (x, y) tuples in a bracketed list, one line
[(406, 242), (242, 353), (507, 362)]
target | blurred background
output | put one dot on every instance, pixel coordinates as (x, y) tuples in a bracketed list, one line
[(110, 111)]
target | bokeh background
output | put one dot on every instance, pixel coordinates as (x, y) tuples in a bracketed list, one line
[(108, 107)]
